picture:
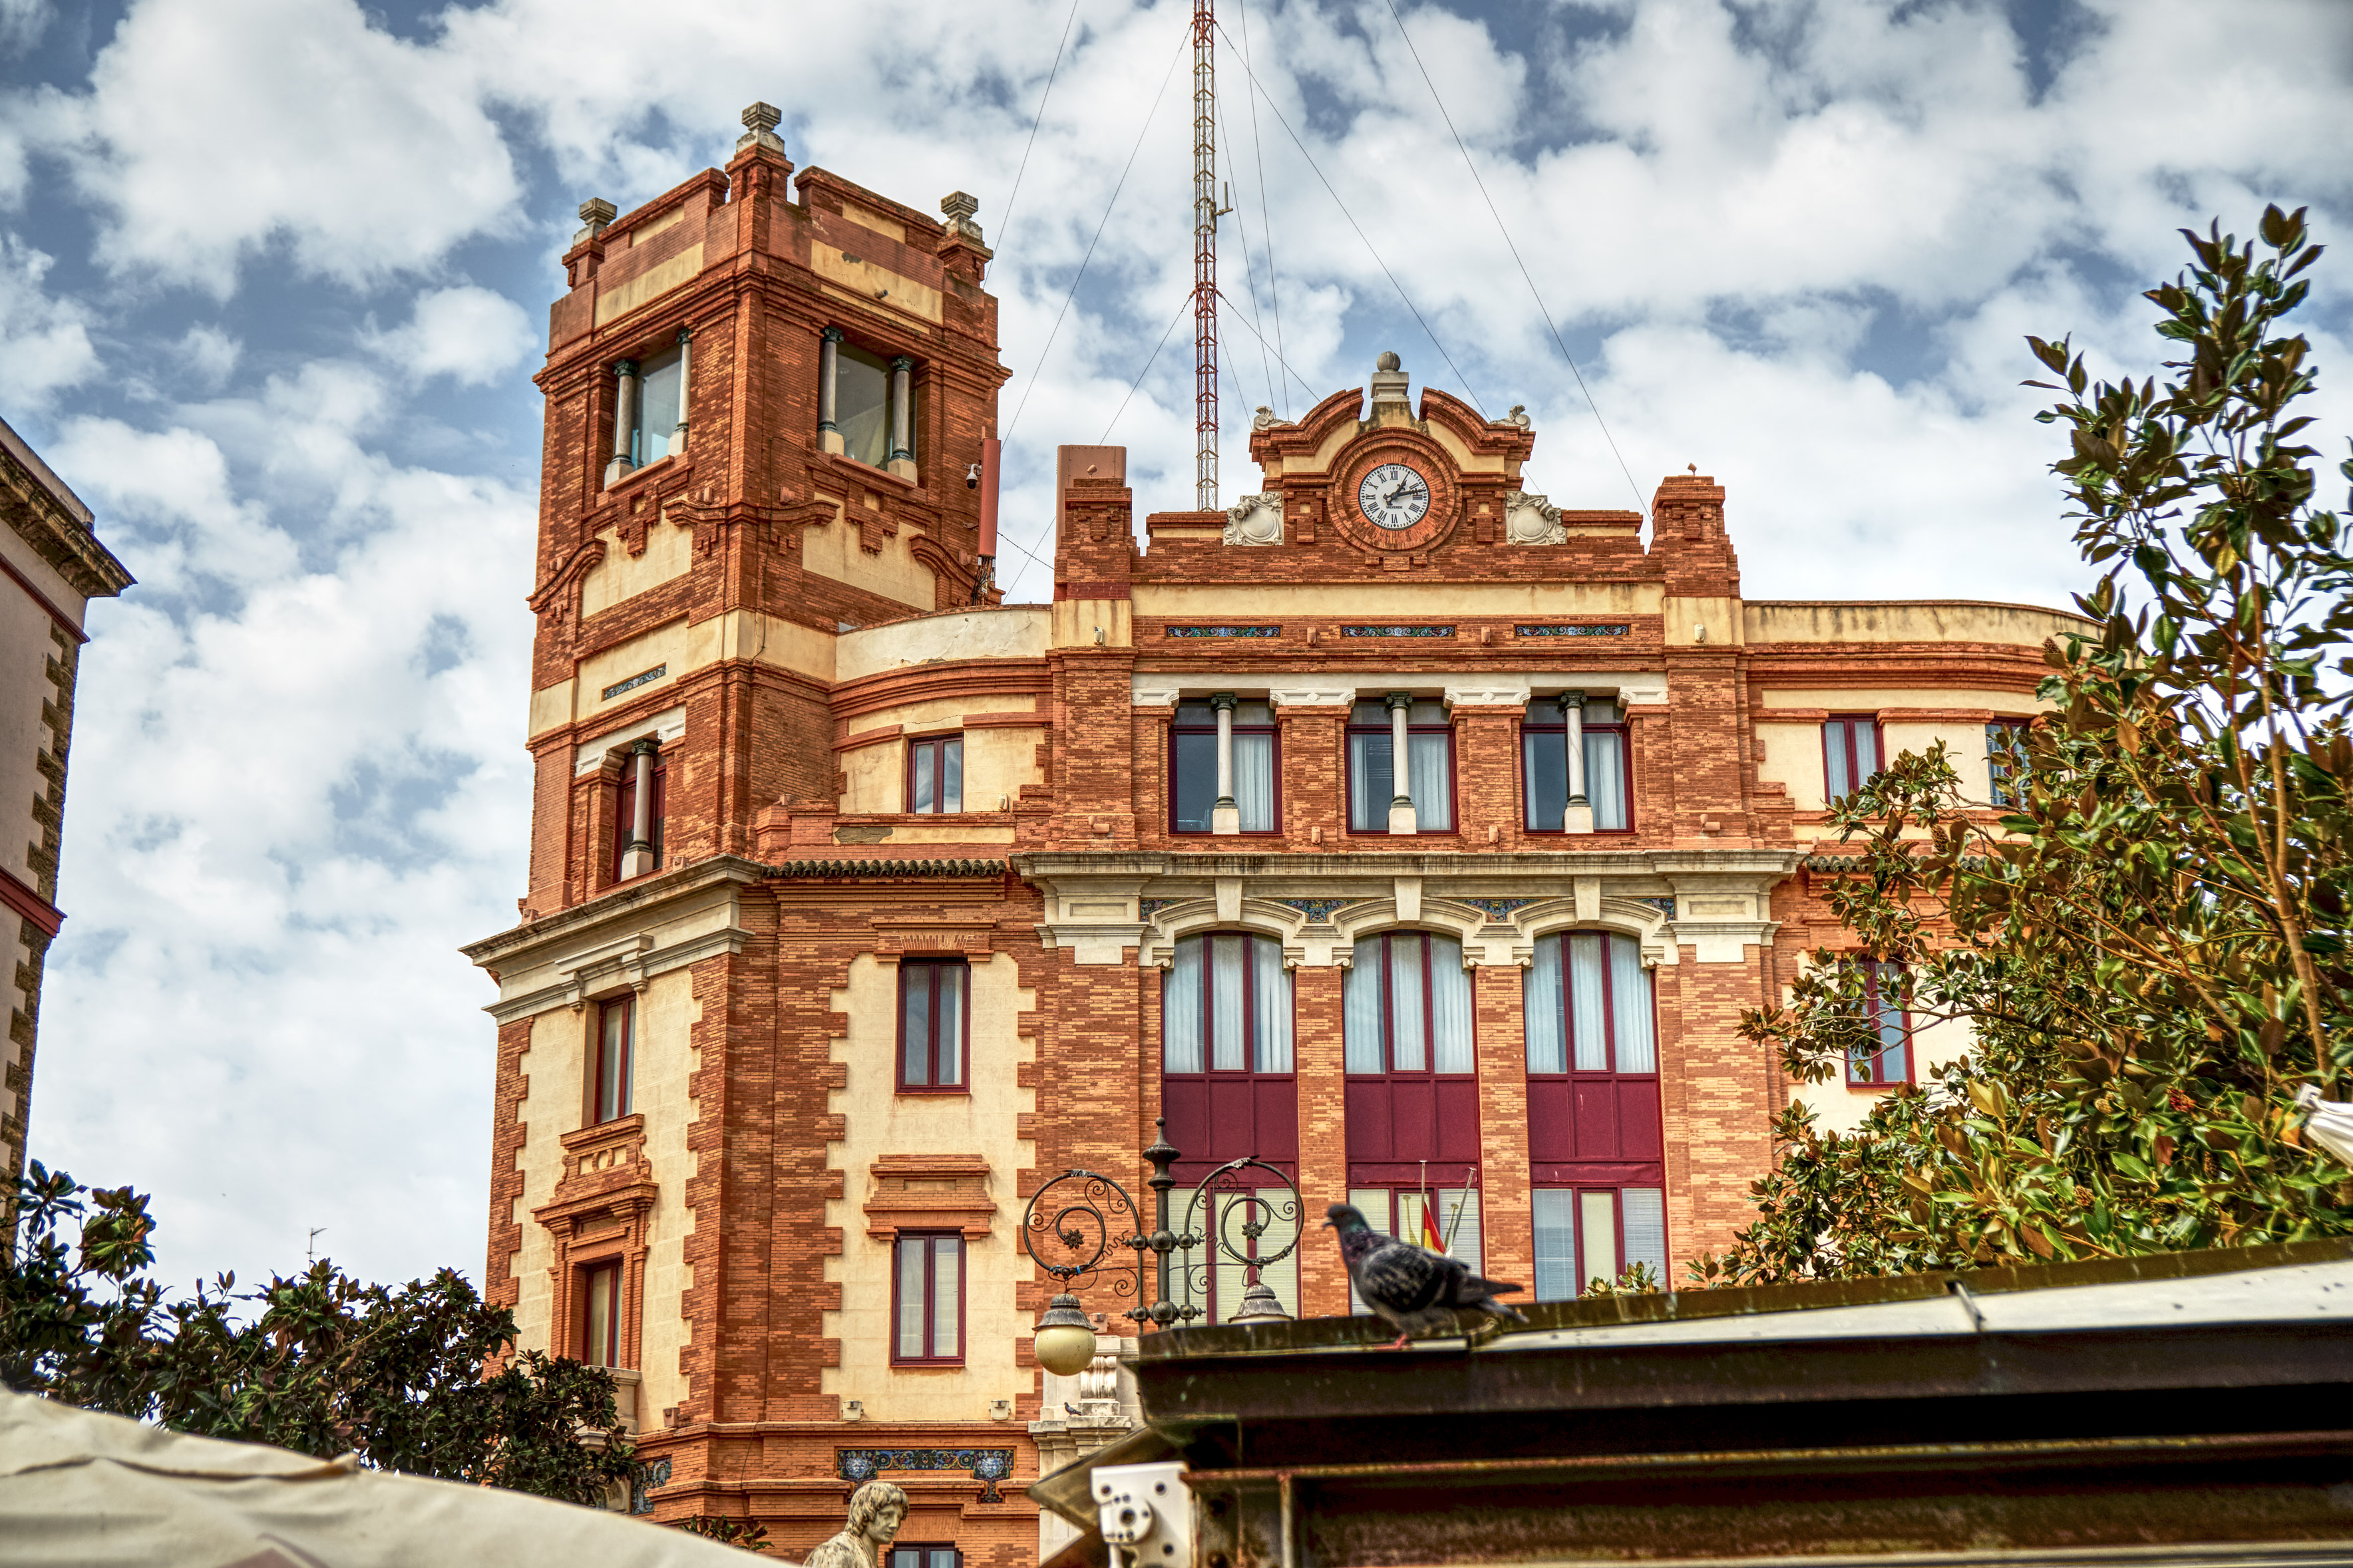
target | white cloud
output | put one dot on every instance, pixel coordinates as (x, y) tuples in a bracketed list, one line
[(470, 334), (22, 23), (44, 341), (210, 354)]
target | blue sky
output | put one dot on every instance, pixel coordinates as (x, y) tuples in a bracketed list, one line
[(272, 284)]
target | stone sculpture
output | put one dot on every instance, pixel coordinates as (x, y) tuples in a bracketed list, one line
[(877, 1510), (1255, 520)]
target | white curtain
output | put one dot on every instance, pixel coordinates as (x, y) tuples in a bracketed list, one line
[(1597, 1217), (1588, 1030), (1604, 777), (1254, 782), (1369, 783), (952, 775), (1645, 1212), (1555, 1225), (1225, 1003), (916, 1023), (1408, 1046), (1361, 1026), (947, 1294), (1629, 1005), (1541, 1007), (951, 1036), (913, 1254), (1429, 782), (1180, 1010), (1866, 749), (1450, 1007), (1271, 990)]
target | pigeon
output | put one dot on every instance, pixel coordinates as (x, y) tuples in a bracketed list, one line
[(1417, 1291)]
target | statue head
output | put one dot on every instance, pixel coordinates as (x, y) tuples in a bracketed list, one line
[(877, 1510)]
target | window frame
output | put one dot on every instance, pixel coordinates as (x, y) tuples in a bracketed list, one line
[(1349, 773), (1584, 1275), (890, 1553), (1389, 1069), (624, 789), (1623, 729), (1878, 745), (1608, 1011), (933, 967), (625, 1100), (1273, 729), (1871, 968), (641, 457), (1209, 1068), (2011, 730), (937, 744), (929, 1238), (615, 1271)]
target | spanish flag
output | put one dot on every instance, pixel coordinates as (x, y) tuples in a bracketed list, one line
[(1429, 1238)]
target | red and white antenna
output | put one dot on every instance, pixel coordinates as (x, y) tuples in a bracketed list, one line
[(1205, 255)]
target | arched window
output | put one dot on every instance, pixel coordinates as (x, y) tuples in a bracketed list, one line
[(1226, 1083), (1595, 1143), (1410, 1054)]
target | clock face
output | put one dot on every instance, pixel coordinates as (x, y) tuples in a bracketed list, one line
[(1394, 497)]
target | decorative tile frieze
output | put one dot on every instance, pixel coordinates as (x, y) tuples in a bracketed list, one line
[(1317, 910), (1497, 909), (1571, 631), (1146, 908), (1396, 631), (987, 1466), (1223, 631), (643, 677), (1664, 906)]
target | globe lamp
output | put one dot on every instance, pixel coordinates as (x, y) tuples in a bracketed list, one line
[(1065, 1342)]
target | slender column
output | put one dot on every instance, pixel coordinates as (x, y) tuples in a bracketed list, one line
[(902, 452), (685, 386), (625, 418), (1578, 816), (1226, 816), (1401, 813), (639, 857), (828, 435)]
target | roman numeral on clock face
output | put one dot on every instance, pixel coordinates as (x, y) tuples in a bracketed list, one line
[(1393, 496)]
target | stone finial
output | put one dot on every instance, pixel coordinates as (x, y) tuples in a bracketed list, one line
[(959, 207), (760, 123), (596, 213), (1391, 384), (1518, 416), (1388, 362), (1265, 419)]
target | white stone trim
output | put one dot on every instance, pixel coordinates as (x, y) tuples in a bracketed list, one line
[(665, 726)]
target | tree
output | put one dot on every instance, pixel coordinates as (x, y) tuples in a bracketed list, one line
[(422, 1379), (2150, 936)]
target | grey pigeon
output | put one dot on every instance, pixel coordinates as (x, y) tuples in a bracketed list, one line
[(1417, 1291)]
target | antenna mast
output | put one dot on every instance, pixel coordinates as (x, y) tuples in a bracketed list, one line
[(1205, 255)]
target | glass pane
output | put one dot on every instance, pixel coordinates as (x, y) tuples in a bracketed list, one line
[(1432, 758), (1458, 1223), (1271, 997), (1835, 779), (911, 1296), (1630, 1007), (1597, 1218), (1253, 712), (1426, 713), (1373, 1203), (1254, 782), (1542, 711), (1888, 1021), (952, 774), (613, 1064), (1196, 758), (1586, 1028), (1866, 749), (1180, 1010), (861, 405), (1645, 1209), (1361, 1026), (947, 1295), (1601, 713), (1369, 713), (658, 386), (922, 786), (598, 1351), (950, 1054), (916, 1023), (1540, 1002), (1226, 1002), (1604, 777), (943, 1557), (1544, 767), (1555, 1225), (1369, 784), (1450, 1007), (1197, 713), (1409, 1042)]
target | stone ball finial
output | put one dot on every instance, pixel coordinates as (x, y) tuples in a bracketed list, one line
[(596, 212), (763, 116), (1388, 362)]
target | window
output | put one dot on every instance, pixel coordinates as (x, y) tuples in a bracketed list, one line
[(661, 407), (928, 1310), (935, 773), (1408, 1046), (1430, 767), (1447, 1216), (1544, 766), (600, 1315), (1850, 753), (2005, 760), (1231, 1214), (862, 406), (1192, 767), (925, 1556), (1584, 1233), (1887, 1058), (616, 1053), (625, 814), (1588, 1007), (1226, 1052), (935, 1024)]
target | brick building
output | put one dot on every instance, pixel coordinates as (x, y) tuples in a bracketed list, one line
[(1396, 825), (55, 566)]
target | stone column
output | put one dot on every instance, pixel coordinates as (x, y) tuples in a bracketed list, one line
[(625, 418), (638, 859), (685, 387), (1226, 815), (828, 345), (1401, 814), (1578, 818), (902, 446)]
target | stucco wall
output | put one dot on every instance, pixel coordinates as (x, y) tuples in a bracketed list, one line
[(996, 762)]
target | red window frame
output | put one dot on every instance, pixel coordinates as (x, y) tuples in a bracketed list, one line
[(1210, 730), (938, 745), (2001, 734), (1581, 1260), (604, 1278), (603, 1108), (1595, 1127), (1838, 730), (1624, 731), (1428, 1017), (1348, 779), (929, 1240), (1217, 1110), (924, 1554), (624, 809), (928, 972), (1874, 1062)]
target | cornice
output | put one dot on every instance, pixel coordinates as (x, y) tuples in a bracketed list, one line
[(650, 897)]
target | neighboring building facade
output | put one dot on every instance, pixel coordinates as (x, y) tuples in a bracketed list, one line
[(861, 904), (54, 565)]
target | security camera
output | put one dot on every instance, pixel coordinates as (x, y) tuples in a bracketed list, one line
[(972, 477)]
